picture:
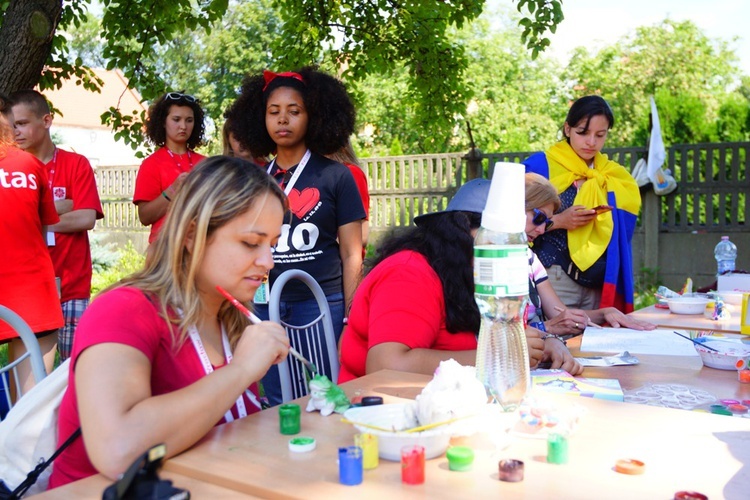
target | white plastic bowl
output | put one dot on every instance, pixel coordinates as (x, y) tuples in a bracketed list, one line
[(687, 305), (734, 298), (435, 441), (728, 355)]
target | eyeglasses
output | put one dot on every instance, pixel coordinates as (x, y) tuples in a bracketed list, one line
[(176, 96), (541, 218)]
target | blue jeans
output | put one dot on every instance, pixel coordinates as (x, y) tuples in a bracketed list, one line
[(300, 313)]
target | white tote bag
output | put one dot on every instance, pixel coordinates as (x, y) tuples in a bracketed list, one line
[(29, 432)]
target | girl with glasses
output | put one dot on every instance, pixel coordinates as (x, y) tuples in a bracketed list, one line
[(546, 311), (586, 243), (302, 116), (175, 125)]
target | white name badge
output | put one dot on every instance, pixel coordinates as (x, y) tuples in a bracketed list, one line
[(261, 294)]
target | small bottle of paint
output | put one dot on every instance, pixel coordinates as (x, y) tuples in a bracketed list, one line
[(369, 444), (557, 449), (350, 465), (289, 418), (743, 370), (510, 470), (412, 464)]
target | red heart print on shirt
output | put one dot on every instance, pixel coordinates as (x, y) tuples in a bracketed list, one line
[(304, 201)]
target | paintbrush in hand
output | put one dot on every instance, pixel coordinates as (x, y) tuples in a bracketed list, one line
[(255, 320)]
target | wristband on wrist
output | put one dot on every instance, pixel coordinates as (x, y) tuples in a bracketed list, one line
[(539, 325), (164, 194), (549, 335)]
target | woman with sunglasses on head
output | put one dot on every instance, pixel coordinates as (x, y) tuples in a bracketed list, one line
[(175, 125), (586, 248), (416, 307), (546, 311), (302, 116)]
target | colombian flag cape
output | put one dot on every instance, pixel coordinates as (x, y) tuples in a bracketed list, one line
[(611, 232)]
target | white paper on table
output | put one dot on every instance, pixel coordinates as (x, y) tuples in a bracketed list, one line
[(660, 341), (623, 358)]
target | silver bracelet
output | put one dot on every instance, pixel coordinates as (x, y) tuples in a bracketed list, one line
[(552, 336)]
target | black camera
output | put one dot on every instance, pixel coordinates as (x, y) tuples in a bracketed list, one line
[(141, 482)]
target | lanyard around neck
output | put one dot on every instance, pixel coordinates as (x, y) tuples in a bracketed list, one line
[(176, 158), (297, 171), (195, 338), (51, 169)]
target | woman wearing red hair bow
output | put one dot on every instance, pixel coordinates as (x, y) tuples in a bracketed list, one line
[(302, 116)]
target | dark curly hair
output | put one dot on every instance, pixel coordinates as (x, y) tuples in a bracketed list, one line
[(157, 118), (330, 113), (446, 242)]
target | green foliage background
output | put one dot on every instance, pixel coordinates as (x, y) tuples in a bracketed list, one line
[(480, 70)]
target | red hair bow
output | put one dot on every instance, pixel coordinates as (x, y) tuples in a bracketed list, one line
[(269, 76)]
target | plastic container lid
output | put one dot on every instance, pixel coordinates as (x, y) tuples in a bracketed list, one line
[(630, 466), (460, 458), (302, 444)]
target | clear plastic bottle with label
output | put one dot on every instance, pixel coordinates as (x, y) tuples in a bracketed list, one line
[(725, 254), (501, 289)]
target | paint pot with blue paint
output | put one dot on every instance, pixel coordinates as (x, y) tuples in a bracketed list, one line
[(350, 465)]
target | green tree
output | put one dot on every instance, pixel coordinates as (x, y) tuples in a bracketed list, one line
[(734, 118), (358, 37), (212, 64), (518, 104), (688, 72)]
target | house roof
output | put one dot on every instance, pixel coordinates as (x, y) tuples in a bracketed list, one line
[(82, 108)]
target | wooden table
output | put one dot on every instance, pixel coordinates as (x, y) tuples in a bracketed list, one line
[(682, 450), (93, 487), (665, 319), (654, 369)]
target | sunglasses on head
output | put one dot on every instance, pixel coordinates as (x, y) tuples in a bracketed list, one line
[(541, 218), (176, 96)]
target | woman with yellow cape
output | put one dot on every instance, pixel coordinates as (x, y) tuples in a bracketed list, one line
[(587, 246)]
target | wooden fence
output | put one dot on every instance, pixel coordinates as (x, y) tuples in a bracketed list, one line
[(711, 198)]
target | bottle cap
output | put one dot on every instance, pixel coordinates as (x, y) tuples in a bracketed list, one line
[(630, 466), (505, 210), (689, 495), (302, 444), (460, 458), (372, 401)]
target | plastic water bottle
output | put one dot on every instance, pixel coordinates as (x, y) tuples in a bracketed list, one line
[(501, 280), (725, 254)]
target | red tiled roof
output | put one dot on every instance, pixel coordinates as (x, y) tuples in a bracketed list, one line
[(82, 108)]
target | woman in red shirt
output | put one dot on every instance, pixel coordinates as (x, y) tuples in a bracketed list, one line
[(175, 124), (162, 356), (416, 306)]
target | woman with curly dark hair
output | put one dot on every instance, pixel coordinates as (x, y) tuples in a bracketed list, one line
[(416, 307), (175, 124), (302, 116)]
